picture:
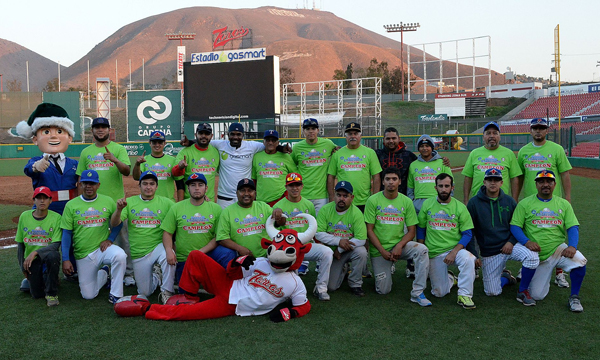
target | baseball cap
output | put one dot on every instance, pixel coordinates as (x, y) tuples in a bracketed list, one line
[(539, 122), (246, 183), (352, 126), (425, 139), (100, 122), (204, 127), (236, 127), (293, 178), (271, 133), (545, 174), (310, 122), (90, 176), (157, 135), (42, 190), (493, 173), (149, 174), (196, 177), (345, 185), (491, 123)]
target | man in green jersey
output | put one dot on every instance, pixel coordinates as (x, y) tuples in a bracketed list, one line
[(491, 155), (193, 222), (160, 163), (356, 164), (292, 205), (549, 221), (38, 240), (445, 228), (341, 225), (85, 223), (270, 168), (144, 214), (386, 214)]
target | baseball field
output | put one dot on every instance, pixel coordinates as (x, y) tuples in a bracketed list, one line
[(347, 327)]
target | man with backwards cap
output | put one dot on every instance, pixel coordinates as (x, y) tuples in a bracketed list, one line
[(491, 155), (549, 221), (144, 214)]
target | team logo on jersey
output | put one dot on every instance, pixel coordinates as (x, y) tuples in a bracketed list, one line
[(342, 230), (147, 218), (203, 166), (547, 218), (427, 174), (294, 221), (260, 280), (441, 220), (390, 215), (251, 225), (313, 157), (490, 163), (538, 162), (91, 217), (37, 236), (197, 223), (271, 169), (352, 163), (99, 163), (161, 171)]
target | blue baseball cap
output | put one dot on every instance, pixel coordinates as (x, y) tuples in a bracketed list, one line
[(236, 127), (493, 173), (157, 135), (89, 176), (345, 185), (204, 127), (310, 122), (100, 122), (149, 174), (271, 133), (491, 123), (196, 177), (539, 122)]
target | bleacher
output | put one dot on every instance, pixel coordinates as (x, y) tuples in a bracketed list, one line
[(570, 105), (581, 128), (589, 149)]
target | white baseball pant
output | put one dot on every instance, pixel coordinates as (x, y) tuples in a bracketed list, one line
[(92, 279), (225, 203), (492, 266), (382, 269), (440, 281), (122, 241), (319, 203), (358, 256), (147, 281), (324, 255)]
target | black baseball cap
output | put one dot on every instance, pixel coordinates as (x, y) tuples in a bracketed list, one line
[(352, 126), (344, 185), (246, 183), (236, 127), (204, 127), (310, 122), (100, 122)]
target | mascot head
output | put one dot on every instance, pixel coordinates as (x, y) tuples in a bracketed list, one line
[(287, 249)]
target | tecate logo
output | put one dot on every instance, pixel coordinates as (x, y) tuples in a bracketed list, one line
[(154, 115)]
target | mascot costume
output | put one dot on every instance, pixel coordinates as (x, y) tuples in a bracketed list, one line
[(248, 286)]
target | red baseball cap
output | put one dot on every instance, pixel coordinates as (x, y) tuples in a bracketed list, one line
[(293, 178), (42, 190)]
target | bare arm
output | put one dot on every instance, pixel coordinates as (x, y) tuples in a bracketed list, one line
[(566, 183), (375, 242), (520, 181), (376, 183), (209, 247), (514, 188), (467, 188), (230, 244), (330, 186), (168, 244)]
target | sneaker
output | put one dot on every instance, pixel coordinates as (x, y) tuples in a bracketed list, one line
[(24, 286), (164, 296), (410, 270), (113, 299), (73, 278), (107, 269), (393, 268), (575, 304), (52, 300), (421, 300), (508, 275), (358, 291), (322, 296), (561, 281), (303, 270), (128, 281), (367, 274), (157, 271), (526, 299), (452, 278), (466, 302), (519, 275)]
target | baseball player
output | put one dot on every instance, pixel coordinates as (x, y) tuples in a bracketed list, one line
[(445, 228), (38, 240), (292, 206), (386, 214), (549, 221), (85, 223), (341, 225), (144, 214), (395, 154), (491, 211)]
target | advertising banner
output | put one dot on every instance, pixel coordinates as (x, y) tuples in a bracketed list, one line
[(148, 111), (180, 61), (229, 56), (433, 117)]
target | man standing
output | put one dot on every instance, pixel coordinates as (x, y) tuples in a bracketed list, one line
[(160, 163), (549, 221), (85, 223), (341, 225), (386, 214), (445, 228), (292, 205), (491, 155), (491, 211), (355, 164), (394, 153), (269, 170), (144, 214)]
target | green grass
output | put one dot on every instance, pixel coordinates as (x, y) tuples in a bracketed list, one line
[(375, 326), (8, 212)]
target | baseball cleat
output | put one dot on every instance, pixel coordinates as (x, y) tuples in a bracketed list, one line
[(128, 281), (52, 300), (410, 269), (508, 276), (164, 296), (322, 296), (421, 300), (108, 281), (575, 304), (113, 299), (519, 274), (466, 302), (526, 299), (24, 285), (303, 270), (561, 281), (358, 291), (453, 279)]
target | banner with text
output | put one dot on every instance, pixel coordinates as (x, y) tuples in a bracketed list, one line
[(148, 111), (180, 61), (229, 56), (433, 117)]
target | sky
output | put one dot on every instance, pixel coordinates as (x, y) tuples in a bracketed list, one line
[(522, 32)]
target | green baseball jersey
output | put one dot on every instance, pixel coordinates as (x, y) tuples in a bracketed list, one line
[(350, 224), (162, 166), (313, 163), (111, 180), (292, 209), (533, 159), (444, 224), (205, 162), (270, 171), (144, 218), (356, 166), (89, 221), (193, 226), (421, 177), (245, 226), (36, 234), (545, 222), (482, 159), (389, 218)]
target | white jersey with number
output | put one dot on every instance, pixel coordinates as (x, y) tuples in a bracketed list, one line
[(262, 289), (235, 165)]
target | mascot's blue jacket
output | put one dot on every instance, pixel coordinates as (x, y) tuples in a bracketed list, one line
[(54, 180)]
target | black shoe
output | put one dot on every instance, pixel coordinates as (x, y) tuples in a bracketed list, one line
[(358, 291)]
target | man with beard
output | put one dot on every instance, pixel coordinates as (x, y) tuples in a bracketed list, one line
[(395, 154)]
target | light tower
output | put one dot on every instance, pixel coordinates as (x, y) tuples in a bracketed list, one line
[(401, 28)]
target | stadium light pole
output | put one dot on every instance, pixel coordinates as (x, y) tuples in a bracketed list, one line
[(401, 28), (181, 36), (1, 84)]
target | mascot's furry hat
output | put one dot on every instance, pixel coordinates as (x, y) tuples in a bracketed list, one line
[(44, 115)]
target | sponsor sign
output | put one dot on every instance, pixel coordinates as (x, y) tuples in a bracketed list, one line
[(594, 88), (460, 95), (180, 60), (222, 36), (149, 111), (433, 117), (229, 56)]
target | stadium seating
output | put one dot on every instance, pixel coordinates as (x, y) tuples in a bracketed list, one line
[(570, 105), (581, 128), (590, 149)]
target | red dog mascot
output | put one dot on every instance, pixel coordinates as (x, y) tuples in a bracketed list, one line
[(248, 287)]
